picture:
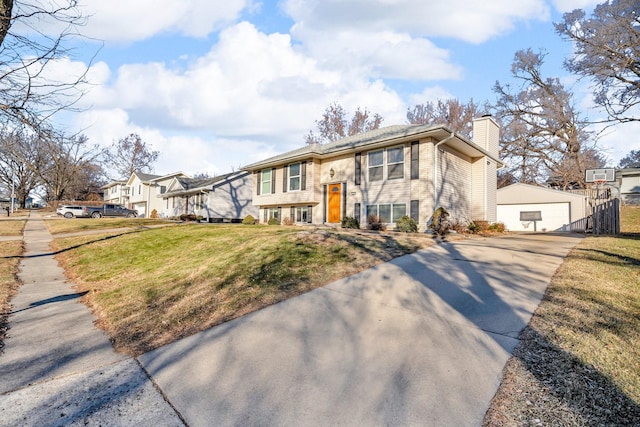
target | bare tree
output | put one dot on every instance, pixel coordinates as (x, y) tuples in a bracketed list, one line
[(451, 112), (543, 133), (607, 48), (131, 154), (20, 158), (335, 125), (69, 158), (631, 160), (28, 94)]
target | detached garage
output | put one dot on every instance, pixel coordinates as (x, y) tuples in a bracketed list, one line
[(524, 207)]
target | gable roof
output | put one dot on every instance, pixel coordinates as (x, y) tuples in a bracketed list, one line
[(183, 185), (378, 137)]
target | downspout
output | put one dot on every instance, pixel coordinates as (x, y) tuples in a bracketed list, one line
[(436, 167)]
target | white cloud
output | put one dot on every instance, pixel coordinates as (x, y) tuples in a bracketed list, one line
[(430, 94), (252, 95), (468, 20), (126, 21)]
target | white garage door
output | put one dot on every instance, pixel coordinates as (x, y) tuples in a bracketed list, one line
[(140, 208), (542, 217)]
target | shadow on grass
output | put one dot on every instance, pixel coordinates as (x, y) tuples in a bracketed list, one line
[(583, 395), (44, 254)]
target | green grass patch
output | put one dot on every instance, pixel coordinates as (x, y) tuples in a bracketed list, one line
[(154, 286), (12, 227), (77, 225)]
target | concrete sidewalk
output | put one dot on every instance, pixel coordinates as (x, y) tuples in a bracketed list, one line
[(421, 340), (57, 367)]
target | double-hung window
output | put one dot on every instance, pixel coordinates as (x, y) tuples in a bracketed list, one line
[(294, 177), (265, 181), (376, 165), (395, 163)]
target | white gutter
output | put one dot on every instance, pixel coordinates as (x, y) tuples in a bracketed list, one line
[(436, 166)]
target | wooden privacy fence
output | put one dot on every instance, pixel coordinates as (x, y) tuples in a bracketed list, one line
[(605, 218)]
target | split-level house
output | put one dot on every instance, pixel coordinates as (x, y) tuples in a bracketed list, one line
[(143, 189), (389, 172), (224, 198), (116, 192)]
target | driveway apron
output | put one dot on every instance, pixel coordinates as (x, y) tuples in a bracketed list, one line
[(57, 367), (421, 340)]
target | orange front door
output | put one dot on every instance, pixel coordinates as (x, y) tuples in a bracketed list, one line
[(334, 202)]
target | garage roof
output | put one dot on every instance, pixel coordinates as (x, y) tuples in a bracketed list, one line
[(526, 193)]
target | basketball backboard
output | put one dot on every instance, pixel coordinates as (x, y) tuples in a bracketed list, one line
[(599, 175)]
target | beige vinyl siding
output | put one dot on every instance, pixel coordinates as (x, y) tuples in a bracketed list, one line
[(479, 189), (492, 193), (280, 198), (454, 182)]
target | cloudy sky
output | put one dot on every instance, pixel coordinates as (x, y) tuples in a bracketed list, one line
[(216, 84)]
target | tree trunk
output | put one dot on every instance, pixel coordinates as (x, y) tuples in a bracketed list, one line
[(6, 6)]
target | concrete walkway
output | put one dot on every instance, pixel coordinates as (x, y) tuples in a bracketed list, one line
[(57, 367), (421, 340)]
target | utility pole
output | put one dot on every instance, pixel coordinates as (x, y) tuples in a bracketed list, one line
[(13, 191)]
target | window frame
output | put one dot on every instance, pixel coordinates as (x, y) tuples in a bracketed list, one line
[(292, 178), (263, 181), (380, 166), (390, 164), (391, 209)]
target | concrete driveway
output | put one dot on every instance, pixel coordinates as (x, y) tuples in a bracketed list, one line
[(421, 340)]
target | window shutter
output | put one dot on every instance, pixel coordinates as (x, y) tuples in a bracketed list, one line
[(414, 210), (310, 214), (356, 211), (259, 181), (273, 180), (292, 214), (284, 178), (279, 213), (358, 168), (415, 160), (303, 176)]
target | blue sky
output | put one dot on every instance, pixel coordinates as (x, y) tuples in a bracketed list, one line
[(214, 85)]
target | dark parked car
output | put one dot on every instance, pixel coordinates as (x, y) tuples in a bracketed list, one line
[(108, 210)]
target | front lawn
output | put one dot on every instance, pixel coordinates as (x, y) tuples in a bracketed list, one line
[(153, 286), (12, 227), (76, 225)]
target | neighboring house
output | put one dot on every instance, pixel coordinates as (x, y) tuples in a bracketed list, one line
[(144, 189), (219, 199), (116, 192), (629, 185), (524, 207), (389, 172)]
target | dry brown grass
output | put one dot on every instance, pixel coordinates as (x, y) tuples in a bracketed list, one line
[(151, 287), (9, 259), (578, 363), (630, 219), (77, 225), (12, 227)]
